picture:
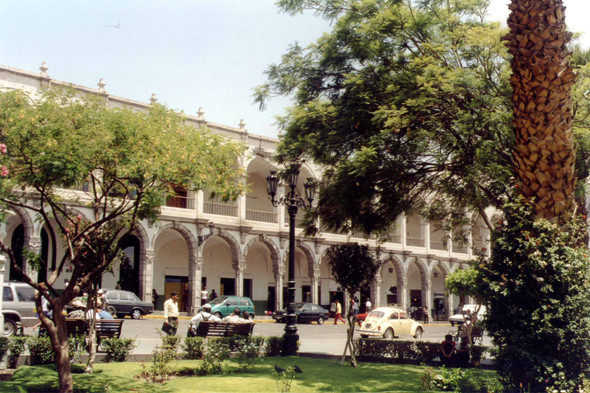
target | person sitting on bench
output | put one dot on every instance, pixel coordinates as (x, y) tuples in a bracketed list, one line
[(234, 317), (203, 315)]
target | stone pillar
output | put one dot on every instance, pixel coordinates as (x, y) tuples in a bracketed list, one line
[(146, 275), (315, 280), (239, 269), (2, 271), (199, 202), (404, 228), (485, 240), (195, 272), (281, 210), (426, 226), (404, 301), (279, 271), (376, 291), (34, 246), (428, 302)]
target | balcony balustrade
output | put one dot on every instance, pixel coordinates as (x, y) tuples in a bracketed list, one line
[(181, 202), (262, 216), (220, 209)]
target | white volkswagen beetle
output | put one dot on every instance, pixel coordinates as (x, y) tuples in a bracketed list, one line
[(390, 322)]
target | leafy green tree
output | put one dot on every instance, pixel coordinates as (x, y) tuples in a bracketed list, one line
[(406, 106), (463, 283), (536, 285), (353, 267), (131, 159)]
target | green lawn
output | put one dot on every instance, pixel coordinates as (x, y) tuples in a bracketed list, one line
[(318, 376)]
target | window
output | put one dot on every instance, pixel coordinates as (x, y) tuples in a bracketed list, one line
[(25, 294), (7, 295), (245, 302), (403, 316), (232, 302), (394, 316), (130, 297), (112, 296)]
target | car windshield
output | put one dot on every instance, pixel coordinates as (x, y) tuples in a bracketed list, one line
[(376, 314), (299, 306), (218, 300)]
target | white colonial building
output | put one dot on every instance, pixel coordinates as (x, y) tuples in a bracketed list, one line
[(247, 253)]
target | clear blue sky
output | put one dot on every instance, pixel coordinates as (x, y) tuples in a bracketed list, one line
[(191, 53)]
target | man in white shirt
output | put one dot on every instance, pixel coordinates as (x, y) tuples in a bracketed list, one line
[(171, 313), (203, 315), (204, 296), (368, 305), (234, 317)]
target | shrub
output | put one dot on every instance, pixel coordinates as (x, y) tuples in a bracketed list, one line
[(40, 351), (3, 347), (117, 349), (160, 369), (274, 345), (388, 351), (538, 299), (247, 354), (77, 345), (215, 352), (193, 347), (450, 379), (16, 346), (171, 342)]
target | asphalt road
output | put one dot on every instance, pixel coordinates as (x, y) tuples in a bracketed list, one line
[(322, 339)]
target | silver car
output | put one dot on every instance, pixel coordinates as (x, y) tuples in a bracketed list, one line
[(18, 307)]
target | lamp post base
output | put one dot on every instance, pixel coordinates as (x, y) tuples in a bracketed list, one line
[(291, 336)]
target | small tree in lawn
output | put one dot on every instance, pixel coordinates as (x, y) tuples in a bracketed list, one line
[(353, 267), (132, 161), (463, 283)]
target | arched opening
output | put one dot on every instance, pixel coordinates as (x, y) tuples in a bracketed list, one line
[(17, 245), (128, 274)]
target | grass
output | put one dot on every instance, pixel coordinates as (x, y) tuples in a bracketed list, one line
[(318, 376)]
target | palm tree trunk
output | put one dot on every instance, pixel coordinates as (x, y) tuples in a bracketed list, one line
[(544, 153)]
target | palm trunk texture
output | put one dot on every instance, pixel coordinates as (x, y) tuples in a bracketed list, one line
[(544, 152)]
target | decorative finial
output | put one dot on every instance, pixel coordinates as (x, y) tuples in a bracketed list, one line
[(101, 84), (153, 99), (200, 114), (44, 69), (242, 124)]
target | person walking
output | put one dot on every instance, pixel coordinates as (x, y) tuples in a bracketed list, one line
[(355, 307), (425, 314), (171, 314), (368, 305), (155, 297), (204, 296), (338, 315)]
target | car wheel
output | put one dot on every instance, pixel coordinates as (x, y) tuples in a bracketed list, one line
[(418, 333), (320, 320), (388, 334), (218, 314), (136, 314), (9, 327), (364, 336)]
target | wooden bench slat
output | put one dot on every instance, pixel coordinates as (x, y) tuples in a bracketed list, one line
[(224, 329)]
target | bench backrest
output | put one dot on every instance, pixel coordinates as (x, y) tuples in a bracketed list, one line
[(105, 328), (223, 329)]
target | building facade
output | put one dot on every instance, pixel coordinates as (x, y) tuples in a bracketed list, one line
[(246, 251)]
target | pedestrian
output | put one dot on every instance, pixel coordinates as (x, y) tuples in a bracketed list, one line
[(155, 297), (332, 309), (204, 296), (203, 315), (171, 314), (213, 295), (425, 314), (338, 315), (118, 286), (355, 307), (368, 305)]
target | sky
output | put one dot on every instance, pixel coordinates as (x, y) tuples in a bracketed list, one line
[(190, 53)]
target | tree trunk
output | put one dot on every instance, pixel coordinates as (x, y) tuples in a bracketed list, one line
[(544, 152), (59, 339)]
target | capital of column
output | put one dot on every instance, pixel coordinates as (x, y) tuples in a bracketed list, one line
[(405, 282), (150, 255)]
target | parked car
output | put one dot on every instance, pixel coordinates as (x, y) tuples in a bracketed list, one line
[(18, 307), (360, 318), (459, 318), (127, 303), (306, 312), (390, 322), (224, 305)]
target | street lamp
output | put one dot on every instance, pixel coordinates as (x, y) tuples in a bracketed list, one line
[(293, 202), (201, 239)]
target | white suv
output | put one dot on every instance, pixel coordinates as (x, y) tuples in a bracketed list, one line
[(18, 307)]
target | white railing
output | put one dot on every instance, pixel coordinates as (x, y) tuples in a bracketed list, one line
[(256, 215), (460, 249), (415, 241), (396, 238), (437, 246), (220, 209), (181, 202)]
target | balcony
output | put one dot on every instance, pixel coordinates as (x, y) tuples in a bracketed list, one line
[(220, 209), (262, 216), (415, 241), (181, 202), (434, 245)]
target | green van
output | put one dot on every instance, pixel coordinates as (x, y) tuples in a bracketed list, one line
[(224, 305)]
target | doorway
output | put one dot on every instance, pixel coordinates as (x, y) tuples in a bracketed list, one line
[(227, 286), (178, 284)]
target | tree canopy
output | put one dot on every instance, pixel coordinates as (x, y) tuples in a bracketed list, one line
[(131, 160), (405, 104)]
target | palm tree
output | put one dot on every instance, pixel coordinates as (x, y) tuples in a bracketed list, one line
[(544, 152)]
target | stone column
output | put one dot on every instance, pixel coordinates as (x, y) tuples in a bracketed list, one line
[(199, 202), (281, 210), (34, 246), (428, 302), (315, 280), (195, 272), (404, 228), (2, 271), (426, 226), (239, 269), (279, 271), (146, 274), (404, 301), (376, 291)]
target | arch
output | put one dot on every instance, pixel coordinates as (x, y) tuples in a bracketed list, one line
[(307, 251), (190, 239), (269, 243), (389, 277)]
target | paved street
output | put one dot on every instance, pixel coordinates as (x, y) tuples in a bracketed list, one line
[(325, 339)]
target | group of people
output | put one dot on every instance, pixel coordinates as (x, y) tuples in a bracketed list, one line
[(450, 356), (80, 310), (171, 316), (336, 309), (206, 297)]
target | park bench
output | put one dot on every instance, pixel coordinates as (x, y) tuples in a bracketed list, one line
[(476, 333), (223, 329), (105, 328)]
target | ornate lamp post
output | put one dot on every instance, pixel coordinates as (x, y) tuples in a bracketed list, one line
[(293, 202)]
